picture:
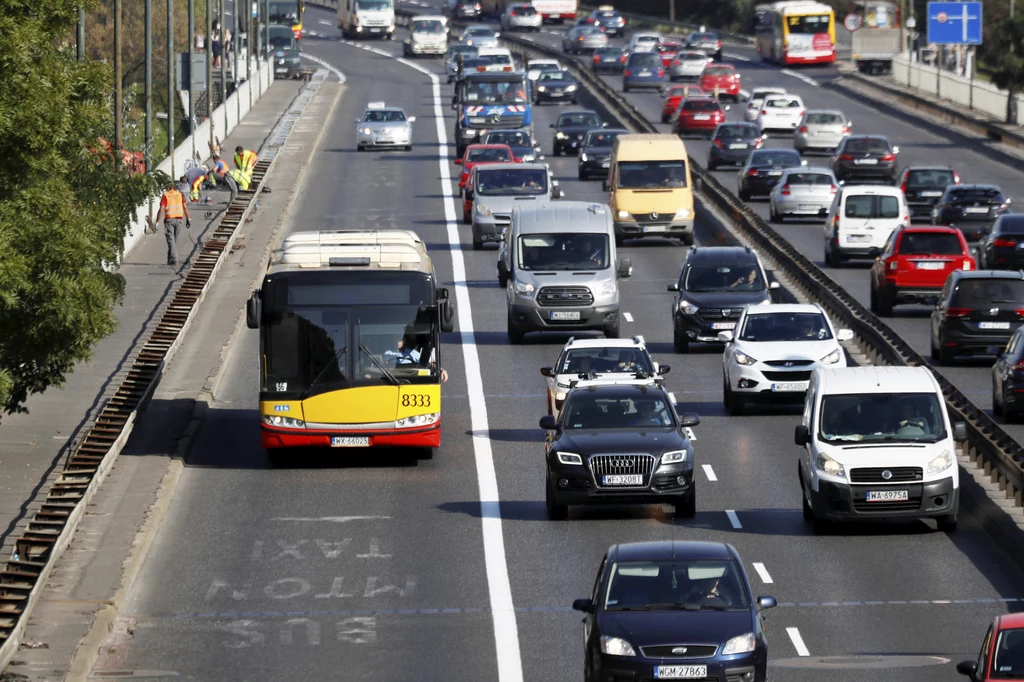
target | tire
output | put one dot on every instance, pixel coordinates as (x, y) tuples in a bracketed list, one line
[(712, 166), (279, 457), (424, 453), (773, 217), (556, 151), (686, 507), (808, 512), (360, 148), (625, 87), (942, 356), (681, 343), (515, 334), (467, 219), (873, 301), (820, 526), (478, 244), (947, 523), (665, 119), (687, 239), (997, 408), (556, 512), (733, 404), (619, 240), (885, 303)]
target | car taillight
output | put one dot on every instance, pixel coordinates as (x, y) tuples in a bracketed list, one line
[(801, 114), (622, 59), (968, 264), (1019, 365), (956, 178), (764, 112), (889, 157), (596, 58), (892, 263), (627, 73), (1020, 312), (846, 130), (803, 129), (845, 157), (785, 190), (718, 43), (717, 143), (661, 73), (833, 189), (752, 105), (752, 171), (962, 312), (1000, 241), (903, 187)]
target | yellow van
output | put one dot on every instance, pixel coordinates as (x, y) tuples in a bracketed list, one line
[(649, 186)]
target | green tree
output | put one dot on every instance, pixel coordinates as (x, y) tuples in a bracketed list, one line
[(1005, 45), (65, 201)]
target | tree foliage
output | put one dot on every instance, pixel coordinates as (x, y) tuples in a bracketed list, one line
[(65, 201), (1006, 63)]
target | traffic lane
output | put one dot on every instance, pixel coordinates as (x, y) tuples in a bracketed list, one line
[(323, 541)]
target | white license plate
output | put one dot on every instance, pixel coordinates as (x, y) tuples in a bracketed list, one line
[(858, 238), (931, 194), (866, 162), (993, 325), (654, 228), (565, 315), (350, 441), (644, 73), (976, 209), (723, 325), (702, 117), (809, 208), (680, 672), (280, 71), (933, 265), (622, 479), (739, 145), (888, 496), (774, 173), (557, 94), (791, 386)]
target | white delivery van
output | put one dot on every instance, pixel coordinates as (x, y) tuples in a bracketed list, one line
[(366, 18), (860, 219)]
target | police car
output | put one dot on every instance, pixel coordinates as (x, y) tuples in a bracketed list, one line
[(587, 362), (382, 126)]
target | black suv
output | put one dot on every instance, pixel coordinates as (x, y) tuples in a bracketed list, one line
[(618, 443), (865, 158), (714, 286), (972, 208), (596, 151), (763, 170), (923, 186), (977, 313), (571, 128)]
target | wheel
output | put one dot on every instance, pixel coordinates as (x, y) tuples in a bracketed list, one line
[(665, 118), (515, 334), (612, 331), (575, 101), (944, 356), (773, 217), (686, 507), (478, 244), (467, 219), (947, 523), (686, 239), (997, 407), (873, 301), (556, 512), (424, 453), (408, 147), (808, 512), (885, 303), (360, 148), (557, 151), (619, 240), (279, 457), (830, 259), (733, 404), (712, 166), (820, 526), (625, 87), (681, 343), (744, 195)]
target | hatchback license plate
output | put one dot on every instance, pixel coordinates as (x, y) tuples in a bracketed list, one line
[(931, 265), (993, 325), (644, 73), (788, 386), (350, 441), (723, 325), (738, 145), (622, 479), (866, 162), (976, 209), (888, 496), (565, 315), (702, 117), (680, 672)]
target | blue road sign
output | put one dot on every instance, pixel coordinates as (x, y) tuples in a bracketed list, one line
[(954, 23)]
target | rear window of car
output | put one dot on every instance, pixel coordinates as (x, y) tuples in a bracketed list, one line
[(694, 57), (808, 179), (1009, 225), (607, 15), (700, 105), (608, 51), (867, 206), (737, 132), (991, 196), (644, 59), (930, 178), (718, 71), (975, 293), (930, 243), (701, 37), (782, 103), (824, 119), (524, 11), (775, 157), (868, 145), (492, 154)]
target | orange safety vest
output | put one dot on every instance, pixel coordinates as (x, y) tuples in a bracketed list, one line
[(173, 203), (220, 168), (246, 161)]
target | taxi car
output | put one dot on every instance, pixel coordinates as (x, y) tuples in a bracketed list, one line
[(382, 126)]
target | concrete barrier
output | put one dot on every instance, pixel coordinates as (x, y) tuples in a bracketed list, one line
[(977, 95)]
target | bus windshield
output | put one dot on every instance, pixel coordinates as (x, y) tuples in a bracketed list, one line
[(284, 12), (811, 23)]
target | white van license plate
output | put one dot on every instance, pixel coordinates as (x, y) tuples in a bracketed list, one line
[(993, 325), (791, 386), (622, 479), (565, 315), (888, 496), (654, 228), (680, 672), (858, 238), (723, 325), (350, 441)]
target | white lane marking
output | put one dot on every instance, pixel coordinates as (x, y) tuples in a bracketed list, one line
[(629, 318), (324, 22), (321, 62), (331, 519), (709, 472), (763, 572), (798, 642), (733, 519), (737, 57), (506, 632), (806, 79)]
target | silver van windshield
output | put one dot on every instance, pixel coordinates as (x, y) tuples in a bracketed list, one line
[(873, 417), (563, 251)]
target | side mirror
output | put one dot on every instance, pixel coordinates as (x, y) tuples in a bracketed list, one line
[(254, 310), (625, 268), (844, 334), (689, 419), (547, 372), (672, 287), (497, 35), (969, 668), (801, 436), (458, 162), (960, 432), (548, 423), (874, 252), (664, 369), (447, 311), (358, 120), (606, 185), (725, 336), (412, 119), (764, 136), (766, 603), (895, 150), (849, 124), (728, 107), (551, 125), (584, 605)]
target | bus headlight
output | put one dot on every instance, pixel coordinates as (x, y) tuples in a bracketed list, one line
[(418, 420), (283, 422)]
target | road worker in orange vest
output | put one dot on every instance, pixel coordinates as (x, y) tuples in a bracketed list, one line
[(173, 209)]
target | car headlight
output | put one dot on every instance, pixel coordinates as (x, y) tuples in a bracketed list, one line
[(743, 359), (283, 422), (608, 287), (571, 88), (543, 88), (688, 308), (940, 463), (569, 458), (483, 209), (583, 156), (418, 420), (560, 395), (560, 135), (528, 158), (683, 214), (469, 132), (742, 644), (367, 131), (524, 288), (829, 466), (616, 646), (674, 457), (624, 215), (833, 357)]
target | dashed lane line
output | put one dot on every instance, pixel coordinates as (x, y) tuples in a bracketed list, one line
[(709, 472), (798, 642), (763, 573), (628, 317), (733, 519)]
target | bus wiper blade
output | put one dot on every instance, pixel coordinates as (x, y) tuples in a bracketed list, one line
[(333, 363), (379, 365)]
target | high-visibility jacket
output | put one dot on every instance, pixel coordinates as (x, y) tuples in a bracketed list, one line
[(220, 168), (241, 178), (173, 204), (197, 184), (246, 161)]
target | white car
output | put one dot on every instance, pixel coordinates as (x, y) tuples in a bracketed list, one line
[(643, 42), (860, 219), (769, 357), (535, 67), (780, 112), (804, 192), (756, 99), (595, 361), (480, 36), (521, 17), (501, 58)]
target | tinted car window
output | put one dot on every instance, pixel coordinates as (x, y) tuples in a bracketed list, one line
[(976, 293), (866, 206), (965, 195), (527, 181), (714, 584), (775, 157), (608, 51), (808, 179), (578, 120), (824, 119), (600, 139), (1010, 225), (606, 412), (781, 103), (785, 327), (555, 76), (709, 277), (644, 59), (1008, 659), (930, 178), (930, 243), (718, 71), (604, 360), (700, 105), (867, 146), (485, 155), (735, 132)]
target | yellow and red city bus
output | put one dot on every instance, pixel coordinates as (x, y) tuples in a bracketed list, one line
[(289, 13), (798, 32)]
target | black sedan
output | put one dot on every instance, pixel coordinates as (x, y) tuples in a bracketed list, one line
[(674, 610), (571, 128), (732, 143), (1003, 247), (596, 151), (870, 158), (556, 86), (619, 444), (609, 60), (763, 170), (977, 313), (1008, 380), (971, 208), (923, 186)]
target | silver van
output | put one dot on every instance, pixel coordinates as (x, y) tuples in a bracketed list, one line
[(558, 266)]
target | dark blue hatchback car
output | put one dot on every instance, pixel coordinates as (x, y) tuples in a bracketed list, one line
[(674, 610), (643, 70)]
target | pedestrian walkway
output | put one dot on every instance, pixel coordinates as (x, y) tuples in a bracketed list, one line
[(34, 446)]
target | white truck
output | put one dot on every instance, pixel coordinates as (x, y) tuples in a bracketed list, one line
[(367, 18), (877, 38)]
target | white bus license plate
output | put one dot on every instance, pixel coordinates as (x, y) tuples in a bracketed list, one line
[(350, 441), (565, 315), (993, 325), (933, 265), (680, 672), (622, 479), (791, 386), (888, 496), (723, 325)]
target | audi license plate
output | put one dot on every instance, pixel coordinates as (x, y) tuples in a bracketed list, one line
[(888, 496), (350, 441), (993, 325), (866, 162), (680, 672), (723, 325), (791, 386), (622, 479), (565, 315), (931, 265)]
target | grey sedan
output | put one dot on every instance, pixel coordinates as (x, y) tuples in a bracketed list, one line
[(802, 193), (384, 126), (820, 130), (584, 39), (688, 65)]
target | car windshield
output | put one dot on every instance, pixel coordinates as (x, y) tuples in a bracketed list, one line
[(718, 71), (765, 327), (812, 23), (513, 138), (719, 277), (427, 26), (1010, 225), (969, 195), (283, 43), (504, 182), (488, 155), (1008, 655), (930, 243), (651, 174), (706, 584), (642, 40), (383, 116), (799, 178), (373, 5), (548, 76), (985, 292), (701, 105), (508, 92), (775, 157), (855, 417), (600, 138), (869, 206), (736, 132), (817, 119), (543, 68), (867, 145), (593, 411), (563, 251), (523, 11), (939, 179), (605, 361), (283, 13), (578, 121)]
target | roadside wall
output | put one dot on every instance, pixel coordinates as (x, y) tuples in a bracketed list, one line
[(978, 95)]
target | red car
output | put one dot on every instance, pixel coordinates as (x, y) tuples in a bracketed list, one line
[(477, 154), (676, 94), (699, 115), (467, 202), (1002, 652), (914, 264), (721, 79), (668, 50)]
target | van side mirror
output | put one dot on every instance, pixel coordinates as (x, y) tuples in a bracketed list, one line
[(548, 423), (725, 336), (625, 268), (960, 432), (689, 419), (254, 310), (844, 334), (584, 605), (801, 436), (674, 286), (547, 371)]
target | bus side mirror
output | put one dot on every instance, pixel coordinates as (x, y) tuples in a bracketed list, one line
[(446, 311), (253, 310)]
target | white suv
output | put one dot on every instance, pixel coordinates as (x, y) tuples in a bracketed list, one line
[(773, 350), (594, 361), (860, 219)]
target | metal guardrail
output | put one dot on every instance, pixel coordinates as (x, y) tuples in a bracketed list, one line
[(999, 454)]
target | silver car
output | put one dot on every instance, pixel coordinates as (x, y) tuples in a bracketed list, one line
[(688, 65), (384, 126), (584, 39), (480, 36), (451, 58), (805, 192), (821, 130), (522, 16), (756, 99)]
